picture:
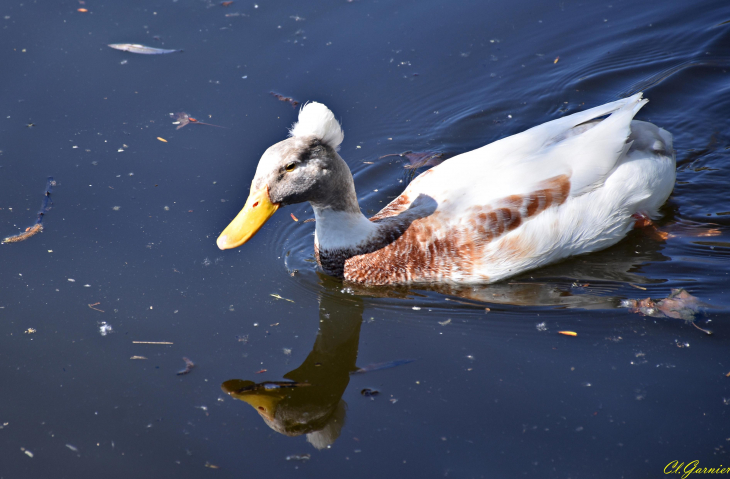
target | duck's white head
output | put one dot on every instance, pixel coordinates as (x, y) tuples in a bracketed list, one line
[(304, 167)]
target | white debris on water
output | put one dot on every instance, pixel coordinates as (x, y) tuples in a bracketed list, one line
[(104, 328)]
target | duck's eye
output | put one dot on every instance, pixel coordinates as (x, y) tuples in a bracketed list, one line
[(291, 167)]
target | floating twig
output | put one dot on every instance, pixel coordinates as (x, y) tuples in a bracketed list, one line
[(95, 309), (151, 342), (706, 331), (394, 154), (287, 99), (299, 457), (182, 119)]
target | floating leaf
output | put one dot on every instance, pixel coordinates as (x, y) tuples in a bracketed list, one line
[(279, 297), (678, 305), (142, 49), (189, 365)]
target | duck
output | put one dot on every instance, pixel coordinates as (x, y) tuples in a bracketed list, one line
[(571, 186)]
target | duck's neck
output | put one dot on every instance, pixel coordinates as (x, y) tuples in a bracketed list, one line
[(340, 223), (342, 230)]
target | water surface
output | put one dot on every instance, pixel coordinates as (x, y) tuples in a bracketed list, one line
[(494, 393)]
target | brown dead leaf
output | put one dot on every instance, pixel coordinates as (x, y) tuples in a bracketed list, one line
[(678, 305)]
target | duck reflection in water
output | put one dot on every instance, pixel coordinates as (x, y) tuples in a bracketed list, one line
[(311, 401)]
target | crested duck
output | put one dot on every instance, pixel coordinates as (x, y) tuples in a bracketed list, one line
[(569, 186)]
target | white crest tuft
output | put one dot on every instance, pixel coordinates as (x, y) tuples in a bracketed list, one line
[(315, 119)]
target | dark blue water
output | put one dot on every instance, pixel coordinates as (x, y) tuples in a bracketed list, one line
[(130, 242)]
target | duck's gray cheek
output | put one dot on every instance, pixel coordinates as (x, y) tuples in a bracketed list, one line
[(290, 190), (279, 194)]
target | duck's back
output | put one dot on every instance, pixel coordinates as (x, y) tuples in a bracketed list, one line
[(566, 187)]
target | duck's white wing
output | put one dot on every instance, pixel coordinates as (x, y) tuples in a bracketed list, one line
[(578, 148)]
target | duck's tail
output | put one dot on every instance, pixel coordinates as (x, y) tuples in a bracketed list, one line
[(635, 102), (595, 152)]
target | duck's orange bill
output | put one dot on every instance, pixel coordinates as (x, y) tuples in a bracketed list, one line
[(255, 213)]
